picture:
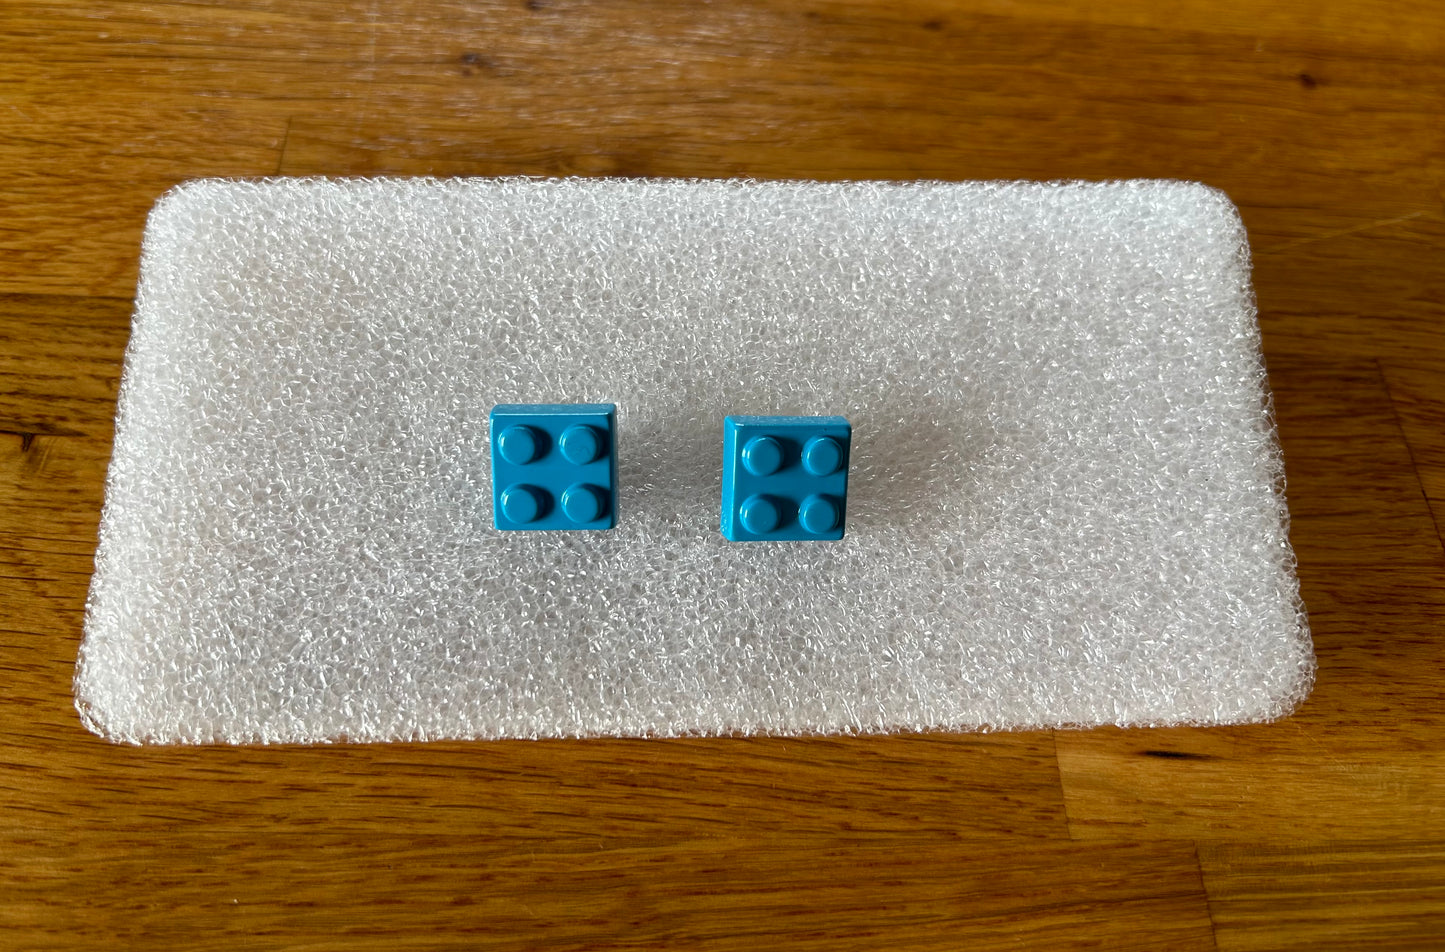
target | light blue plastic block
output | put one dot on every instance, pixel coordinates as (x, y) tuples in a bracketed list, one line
[(554, 466), (785, 478)]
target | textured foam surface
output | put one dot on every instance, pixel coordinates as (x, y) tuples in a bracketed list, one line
[(1063, 508)]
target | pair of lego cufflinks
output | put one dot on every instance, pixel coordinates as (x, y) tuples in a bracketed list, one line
[(554, 466)]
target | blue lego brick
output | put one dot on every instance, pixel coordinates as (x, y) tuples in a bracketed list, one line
[(554, 466), (785, 478)]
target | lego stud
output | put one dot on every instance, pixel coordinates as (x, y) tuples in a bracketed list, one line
[(583, 503), (822, 456), (759, 515), (818, 514), (763, 456), (580, 444), (519, 445), (522, 504)]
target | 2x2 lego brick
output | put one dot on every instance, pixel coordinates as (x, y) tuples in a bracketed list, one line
[(785, 478), (554, 466)]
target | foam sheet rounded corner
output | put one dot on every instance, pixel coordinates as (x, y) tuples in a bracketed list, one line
[(1064, 509)]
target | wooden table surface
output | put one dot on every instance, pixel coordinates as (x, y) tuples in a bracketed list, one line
[(1324, 120)]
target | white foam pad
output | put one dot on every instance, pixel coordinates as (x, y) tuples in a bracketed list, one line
[(1063, 507)]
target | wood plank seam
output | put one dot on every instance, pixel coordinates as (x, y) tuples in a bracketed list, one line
[(1414, 465), (285, 144), (1204, 891), (1063, 791)]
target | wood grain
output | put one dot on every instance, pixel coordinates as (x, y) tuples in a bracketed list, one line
[(60, 361), (1321, 120), (456, 891), (1335, 896)]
